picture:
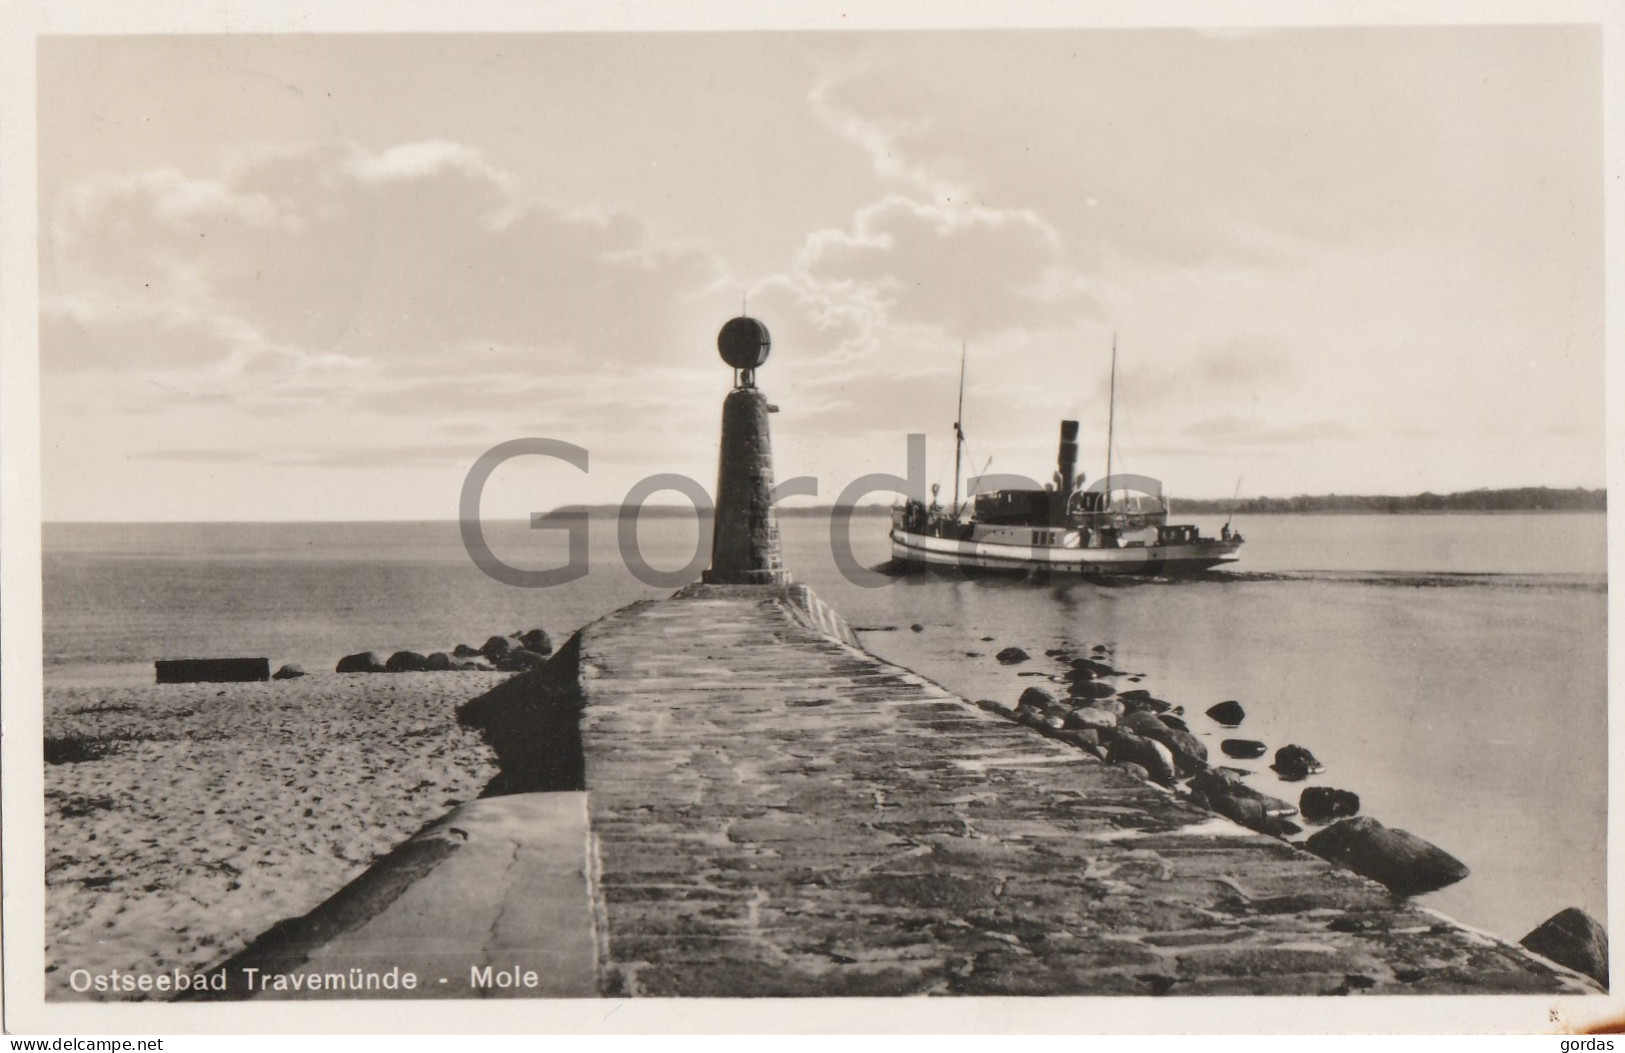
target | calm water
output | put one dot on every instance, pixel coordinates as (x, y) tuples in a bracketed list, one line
[(1450, 669)]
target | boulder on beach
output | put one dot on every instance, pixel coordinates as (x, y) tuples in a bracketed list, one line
[(1190, 755), (1249, 808), (1243, 749), (1320, 804), (1274, 807), (1140, 722), (993, 706), (1032, 716), (1149, 703), (365, 662), (520, 660), (1229, 713), (289, 671), (536, 640), (1226, 782), (1293, 763), (497, 646), (406, 662), (1088, 667), (916, 628), (1244, 811), (1091, 717), (1574, 939), (466, 665), (1129, 748), (1091, 689), (1012, 655), (1408, 865), (1083, 738), (1038, 698), (1177, 723), (1220, 780), (438, 662), (462, 650)]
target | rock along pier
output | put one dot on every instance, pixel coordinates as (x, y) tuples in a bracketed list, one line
[(723, 794)]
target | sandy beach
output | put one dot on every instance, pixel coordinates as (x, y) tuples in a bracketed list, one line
[(184, 820)]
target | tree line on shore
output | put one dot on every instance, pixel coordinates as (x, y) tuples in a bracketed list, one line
[(1517, 499)]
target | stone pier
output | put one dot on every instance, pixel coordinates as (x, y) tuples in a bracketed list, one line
[(771, 811), (776, 812)]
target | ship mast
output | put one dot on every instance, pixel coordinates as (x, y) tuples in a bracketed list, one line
[(1111, 420), (959, 429)]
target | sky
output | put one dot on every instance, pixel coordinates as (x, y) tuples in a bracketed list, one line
[(315, 277)]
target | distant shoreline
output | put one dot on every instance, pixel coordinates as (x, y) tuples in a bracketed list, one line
[(1508, 501), (1511, 499), (1180, 508), (1470, 502)]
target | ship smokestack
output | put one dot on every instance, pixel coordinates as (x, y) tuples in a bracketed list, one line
[(1068, 456)]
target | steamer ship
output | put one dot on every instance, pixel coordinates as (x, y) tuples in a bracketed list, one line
[(1116, 526)]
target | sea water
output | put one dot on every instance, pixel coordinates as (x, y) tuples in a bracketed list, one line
[(1450, 669)]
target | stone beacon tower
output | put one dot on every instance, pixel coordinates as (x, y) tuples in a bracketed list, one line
[(745, 539)]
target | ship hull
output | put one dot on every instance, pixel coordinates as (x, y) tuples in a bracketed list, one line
[(924, 550)]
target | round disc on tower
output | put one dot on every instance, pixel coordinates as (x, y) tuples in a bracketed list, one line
[(744, 343)]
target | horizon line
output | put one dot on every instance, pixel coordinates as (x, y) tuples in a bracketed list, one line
[(602, 508)]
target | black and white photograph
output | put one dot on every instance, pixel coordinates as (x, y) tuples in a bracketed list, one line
[(504, 520)]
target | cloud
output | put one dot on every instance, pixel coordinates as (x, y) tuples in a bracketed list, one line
[(344, 262), (422, 160), (887, 296), (883, 138), (171, 198), (964, 269)]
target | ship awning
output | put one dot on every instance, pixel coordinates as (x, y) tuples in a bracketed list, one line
[(1134, 484)]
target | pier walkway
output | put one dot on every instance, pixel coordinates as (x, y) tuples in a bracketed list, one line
[(771, 811), (776, 812)]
